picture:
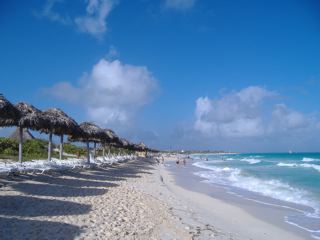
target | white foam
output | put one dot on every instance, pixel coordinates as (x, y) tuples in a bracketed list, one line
[(304, 228), (250, 160), (305, 159), (270, 188), (304, 165), (281, 164)]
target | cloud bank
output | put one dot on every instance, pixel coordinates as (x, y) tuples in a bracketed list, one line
[(244, 114), (111, 93)]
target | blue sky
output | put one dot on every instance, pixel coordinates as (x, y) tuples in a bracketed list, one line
[(191, 74)]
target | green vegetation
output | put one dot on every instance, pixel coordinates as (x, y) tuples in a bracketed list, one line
[(8, 147), (38, 149), (72, 149), (33, 149)]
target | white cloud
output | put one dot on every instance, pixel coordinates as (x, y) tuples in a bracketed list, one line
[(286, 119), (94, 22), (180, 4), (49, 12), (235, 114), (111, 93), (242, 114)]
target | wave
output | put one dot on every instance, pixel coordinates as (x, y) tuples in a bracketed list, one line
[(304, 165), (250, 160), (308, 224), (305, 159), (270, 188)]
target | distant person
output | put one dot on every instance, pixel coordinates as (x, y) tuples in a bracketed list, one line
[(184, 161), (177, 162)]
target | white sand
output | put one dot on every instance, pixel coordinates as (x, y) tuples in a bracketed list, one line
[(134, 200), (90, 204)]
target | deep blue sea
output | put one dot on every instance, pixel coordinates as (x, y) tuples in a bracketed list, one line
[(289, 180)]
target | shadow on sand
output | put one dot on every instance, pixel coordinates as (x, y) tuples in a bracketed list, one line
[(15, 210), (13, 228), (34, 207)]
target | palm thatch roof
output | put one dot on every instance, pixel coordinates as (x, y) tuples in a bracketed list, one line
[(26, 135), (9, 115), (111, 137), (26, 108), (30, 116), (125, 143), (57, 122), (90, 132)]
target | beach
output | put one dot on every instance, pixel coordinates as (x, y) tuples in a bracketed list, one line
[(115, 202), (137, 199), (231, 216)]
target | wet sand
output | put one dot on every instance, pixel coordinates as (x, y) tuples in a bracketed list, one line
[(243, 218)]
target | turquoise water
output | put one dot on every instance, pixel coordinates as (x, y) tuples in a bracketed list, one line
[(293, 179)]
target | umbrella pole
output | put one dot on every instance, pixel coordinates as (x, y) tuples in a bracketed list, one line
[(61, 147), (88, 152), (103, 150), (50, 146), (94, 149), (20, 143)]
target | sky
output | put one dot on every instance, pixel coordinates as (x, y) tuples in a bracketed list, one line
[(177, 74)]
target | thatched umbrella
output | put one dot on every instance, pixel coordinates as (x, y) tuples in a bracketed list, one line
[(30, 118), (9, 114), (124, 143), (111, 139), (90, 133), (59, 123)]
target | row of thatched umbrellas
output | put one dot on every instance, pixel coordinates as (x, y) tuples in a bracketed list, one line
[(55, 122)]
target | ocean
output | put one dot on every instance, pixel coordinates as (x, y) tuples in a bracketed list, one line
[(286, 180)]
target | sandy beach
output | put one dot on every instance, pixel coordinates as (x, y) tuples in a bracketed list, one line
[(115, 202), (138, 199)]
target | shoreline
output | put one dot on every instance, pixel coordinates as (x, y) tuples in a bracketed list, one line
[(243, 218)]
